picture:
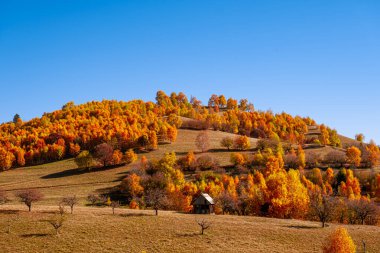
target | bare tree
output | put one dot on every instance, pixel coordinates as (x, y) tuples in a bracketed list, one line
[(3, 197), (92, 198), (322, 207), (57, 223), (361, 209), (156, 199), (103, 153), (71, 201), (61, 209), (202, 141), (28, 196), (114, 204), (226, 203), (204, 224)]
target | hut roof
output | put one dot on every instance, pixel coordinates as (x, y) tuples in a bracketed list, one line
[(208, 198)]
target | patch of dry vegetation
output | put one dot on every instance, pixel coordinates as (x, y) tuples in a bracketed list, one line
[(97, 230)]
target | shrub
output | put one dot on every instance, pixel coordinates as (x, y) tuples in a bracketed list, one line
[(84, 160), (57, 223), (117, 157), (339, 242), (130, 156), (237, 159), (227, 142), (242, 142), (205, 162)]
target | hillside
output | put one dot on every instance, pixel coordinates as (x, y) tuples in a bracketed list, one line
[(62, 178), (93, 230), (138, 125)]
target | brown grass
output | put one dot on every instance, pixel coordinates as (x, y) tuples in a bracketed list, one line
[(97, 230)]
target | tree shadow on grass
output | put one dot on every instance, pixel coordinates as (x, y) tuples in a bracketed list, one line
[(301, 227), (188, 234), (135, 214), (9, 211), (35, 235), (49, 212), (76, 171)]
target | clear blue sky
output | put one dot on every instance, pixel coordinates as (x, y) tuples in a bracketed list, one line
[(309, 58)]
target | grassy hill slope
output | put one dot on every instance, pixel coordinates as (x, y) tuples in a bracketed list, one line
[(62, 178)]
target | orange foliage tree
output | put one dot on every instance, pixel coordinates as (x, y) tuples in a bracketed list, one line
[(339, 242), (353, 156)]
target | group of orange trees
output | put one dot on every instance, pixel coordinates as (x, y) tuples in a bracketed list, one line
[(138, 124), (270, 190)]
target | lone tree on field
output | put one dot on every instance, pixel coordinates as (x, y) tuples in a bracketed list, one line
[(339, 242), (242, 142), (84, 160), (57, 222), (155, 198), (29, 196), (354, 156), (202, 141), (71, 201), (3, 197), (114, 204), (104, 153), (359, 137), (227, 142), (92, 198), (322, 207), (204, 224)]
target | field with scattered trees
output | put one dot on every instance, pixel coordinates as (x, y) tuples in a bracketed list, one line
[(82, 175)]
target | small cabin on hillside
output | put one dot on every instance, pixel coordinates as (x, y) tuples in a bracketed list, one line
[(203, 204)]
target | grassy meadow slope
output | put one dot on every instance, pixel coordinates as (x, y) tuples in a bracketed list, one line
[(61, 178), (97, 230)]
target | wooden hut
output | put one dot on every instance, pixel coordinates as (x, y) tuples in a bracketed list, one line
[(203, 204)]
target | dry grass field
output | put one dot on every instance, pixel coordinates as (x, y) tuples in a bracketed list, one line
[(97, 230)]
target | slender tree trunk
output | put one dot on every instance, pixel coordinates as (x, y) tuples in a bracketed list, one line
[(30, 207), (113, 210), (364, 247), (323, 224), (156, 211), (72, 209)]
